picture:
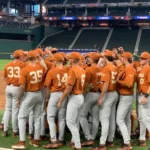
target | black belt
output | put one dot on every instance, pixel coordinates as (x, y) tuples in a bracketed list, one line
[(126, 94)]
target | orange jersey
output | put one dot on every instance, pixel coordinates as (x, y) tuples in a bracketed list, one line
[(93, 74), (143, 79), (109, 74), (56, 79), (49, 65), (76, 78), (12, 72), (32, 77), (129, 77)]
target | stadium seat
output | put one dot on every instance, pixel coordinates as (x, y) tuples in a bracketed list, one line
[(141, 0), (55, 1), (140, 11), (125, 37), (96, 12), (114, 1), (118, 11), (61, 40), (145, 41), (81, 1), (89, 37)]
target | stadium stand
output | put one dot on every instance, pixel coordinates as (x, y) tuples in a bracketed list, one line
[(114, 1), (96, 12), (61, 40), (137, 11), (55, 12), (125, 37), (141, 0), (81, 1), (89, 37), (75, 12), (118, 11), (145, 41), (4, 23), (55, 1)]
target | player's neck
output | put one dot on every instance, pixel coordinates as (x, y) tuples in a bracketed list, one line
[(32, 63), (59, 65), (145, 65), (127, 64)]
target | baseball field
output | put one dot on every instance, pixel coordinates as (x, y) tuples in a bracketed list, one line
[(6, 142)]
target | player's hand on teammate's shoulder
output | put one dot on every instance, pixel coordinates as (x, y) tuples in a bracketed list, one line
[(143, 100)]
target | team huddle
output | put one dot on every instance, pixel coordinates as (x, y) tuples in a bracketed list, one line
[(70, 86)]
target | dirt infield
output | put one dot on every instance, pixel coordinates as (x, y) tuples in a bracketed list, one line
[(2, 91)]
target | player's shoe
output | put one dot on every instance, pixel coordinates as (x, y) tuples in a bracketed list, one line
[(52, 145), (20, 145), (77, 148), (1, 126), (110, 144), (87, 143), (72, 145), (142, 143), (15, 134), (34, 143), (125, 147), (4, 133), (43, 138), (61, 143), (30, 137), (100, 147)]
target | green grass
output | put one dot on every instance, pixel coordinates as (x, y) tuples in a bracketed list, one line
[(6, 142), (3, 63)]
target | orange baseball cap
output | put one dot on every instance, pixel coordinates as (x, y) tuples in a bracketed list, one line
[(75, 55), (58, 57), (39, 50), (108, 53), (18, 53), (32, 54), (145, 55), (54, 49), (95, 56), (127, 55)]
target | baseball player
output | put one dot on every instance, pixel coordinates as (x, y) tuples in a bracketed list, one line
[(74, 87), (56, 82), (31, 83), (11, 76), (143, 81), (43, 113), (93, 80), (107, 101), (126, 80)]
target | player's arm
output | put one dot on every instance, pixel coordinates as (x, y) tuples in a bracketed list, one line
[(48, 83), (105, 79), (68, 89), (65, 93), (43, 64), (129, 77), (21, 91), (88, 78)]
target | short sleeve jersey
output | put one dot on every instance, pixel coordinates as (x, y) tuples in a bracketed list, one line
[(109, 75), (32, 77), (12, 72), (56, 79), (130, 77), (76, 78), (143, 79), (93, 75)]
